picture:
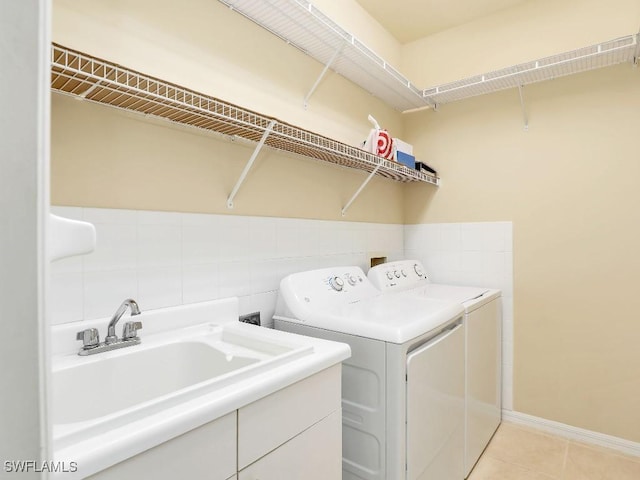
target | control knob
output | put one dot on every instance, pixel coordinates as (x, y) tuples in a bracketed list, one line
[(396, 273), (352, 280), (390, 275), (404, 274), (336, 283), (418, 270)]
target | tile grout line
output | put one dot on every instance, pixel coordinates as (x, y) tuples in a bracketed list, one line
[(566, 459)]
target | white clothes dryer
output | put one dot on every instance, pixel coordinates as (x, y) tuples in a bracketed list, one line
[(402, 388), (483, 348)]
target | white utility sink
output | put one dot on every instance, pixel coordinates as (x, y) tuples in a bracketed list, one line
[(195, 364), (95, 393)]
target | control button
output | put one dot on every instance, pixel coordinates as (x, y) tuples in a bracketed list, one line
[(418, 270), (352, 280), (390, 275), (396, 273), (336, 283), (404, 274)]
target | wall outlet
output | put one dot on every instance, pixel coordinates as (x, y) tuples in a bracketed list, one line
[(252, 318)]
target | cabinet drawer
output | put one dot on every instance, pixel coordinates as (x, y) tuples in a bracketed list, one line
[(271, 421), (315, 454)]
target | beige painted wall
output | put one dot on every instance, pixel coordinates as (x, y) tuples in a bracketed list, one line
[(532, 30), (205, 46), (570, 186), (103, 157), (357, 21)]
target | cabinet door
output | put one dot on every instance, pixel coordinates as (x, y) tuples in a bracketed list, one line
[(271, 421), (205, 453), (315, 454)]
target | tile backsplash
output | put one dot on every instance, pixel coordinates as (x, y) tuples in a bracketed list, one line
[(164, 259)]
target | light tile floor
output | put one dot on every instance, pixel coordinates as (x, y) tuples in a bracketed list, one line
[(521, 453)]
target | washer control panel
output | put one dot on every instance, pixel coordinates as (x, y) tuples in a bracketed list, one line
[(327, 288), (344, 281), (400, 275)]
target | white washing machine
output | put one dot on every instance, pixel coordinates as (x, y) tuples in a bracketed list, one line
[(402, 388), (483, 362)]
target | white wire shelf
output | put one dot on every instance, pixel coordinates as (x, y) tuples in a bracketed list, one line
[(302, 25), (82, 76), (613, 52)]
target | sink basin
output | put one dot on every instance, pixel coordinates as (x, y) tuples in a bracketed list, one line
[(135, 378), (108, 389)]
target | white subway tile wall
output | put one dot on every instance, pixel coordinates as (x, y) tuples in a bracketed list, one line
[(472, 254), (165, 258)]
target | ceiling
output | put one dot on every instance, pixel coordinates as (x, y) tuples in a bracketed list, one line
[(409, 20)]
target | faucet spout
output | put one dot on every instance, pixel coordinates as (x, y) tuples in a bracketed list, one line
[(111, 330)]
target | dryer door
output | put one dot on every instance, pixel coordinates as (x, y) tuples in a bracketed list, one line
[(435, 408)]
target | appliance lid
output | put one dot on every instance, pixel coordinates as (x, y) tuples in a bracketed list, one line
[(470, 297), (394, 318)]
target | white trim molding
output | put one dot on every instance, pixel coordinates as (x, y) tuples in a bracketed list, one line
[(573, 433)]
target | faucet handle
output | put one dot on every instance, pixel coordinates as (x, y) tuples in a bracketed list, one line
[(130, 330), (90, 338)]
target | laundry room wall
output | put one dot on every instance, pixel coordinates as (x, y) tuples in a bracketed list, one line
[(100, 159), (528, 31), (206, 46), (157, 192), (164, 259), (568, 184)]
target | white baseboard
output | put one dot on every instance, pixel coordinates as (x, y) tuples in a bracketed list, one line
[(573, 433)]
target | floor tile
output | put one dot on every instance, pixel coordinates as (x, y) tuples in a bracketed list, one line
[(594, 463), (489, 468), (530, 449)]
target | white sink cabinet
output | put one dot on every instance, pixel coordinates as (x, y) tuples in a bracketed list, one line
[(295, 432)]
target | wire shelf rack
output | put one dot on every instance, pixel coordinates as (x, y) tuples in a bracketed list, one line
[(83, 76), (302, 25), (613, 52)]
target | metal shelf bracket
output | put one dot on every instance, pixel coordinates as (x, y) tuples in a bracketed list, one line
[(524, 109), (249, 164), (322, 74), (364, 184)]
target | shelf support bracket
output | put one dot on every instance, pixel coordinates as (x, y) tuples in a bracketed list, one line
[(322, 74), (364, 184), (249, 164), (524, 110)]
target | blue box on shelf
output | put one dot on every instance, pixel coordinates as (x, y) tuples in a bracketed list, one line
[(406, 159)]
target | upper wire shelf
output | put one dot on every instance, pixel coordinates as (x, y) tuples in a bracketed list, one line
[(80, 75), (302, 25), (613, 52)]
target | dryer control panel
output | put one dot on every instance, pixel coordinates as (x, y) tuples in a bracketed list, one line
[(398, 276)]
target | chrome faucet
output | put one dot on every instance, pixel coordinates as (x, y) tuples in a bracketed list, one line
[(91, 339), (111, 330)]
